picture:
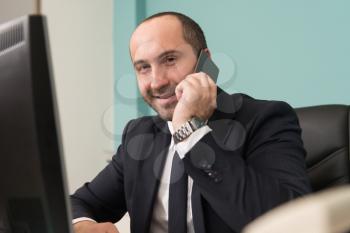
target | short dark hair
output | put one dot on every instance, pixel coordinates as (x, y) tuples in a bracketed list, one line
[(192, 32)]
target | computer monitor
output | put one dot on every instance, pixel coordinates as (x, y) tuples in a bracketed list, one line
[(33, 191)]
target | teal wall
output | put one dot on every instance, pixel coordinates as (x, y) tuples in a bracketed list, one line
[(297, 51), (125, 88)]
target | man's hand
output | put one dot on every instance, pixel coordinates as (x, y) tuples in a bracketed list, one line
[(93, 227), (196, 96)]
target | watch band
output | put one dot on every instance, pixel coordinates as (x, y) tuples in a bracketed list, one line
[(187, 129)]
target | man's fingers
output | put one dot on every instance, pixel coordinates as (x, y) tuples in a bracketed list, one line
[(196, 78), (109, 227), (182, 86)]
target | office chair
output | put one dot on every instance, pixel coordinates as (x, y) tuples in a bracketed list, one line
[(325, 132)]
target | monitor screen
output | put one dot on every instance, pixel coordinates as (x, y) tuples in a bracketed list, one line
[(33, 190)]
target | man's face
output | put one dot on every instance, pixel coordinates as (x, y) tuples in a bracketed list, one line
[(162, 59)]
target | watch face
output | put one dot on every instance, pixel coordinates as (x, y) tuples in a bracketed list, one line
[(197, 122)]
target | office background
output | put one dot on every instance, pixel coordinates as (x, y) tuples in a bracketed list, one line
[(297, 51)]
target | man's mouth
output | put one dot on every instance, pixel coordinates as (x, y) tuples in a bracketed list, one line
[(165, 96), (166, 99)]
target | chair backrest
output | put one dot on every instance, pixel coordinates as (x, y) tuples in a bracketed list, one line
[(325, 132)]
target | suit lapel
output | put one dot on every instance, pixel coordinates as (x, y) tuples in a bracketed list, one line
[(222, 124), (197, 210), (149, 172), (222, 121)]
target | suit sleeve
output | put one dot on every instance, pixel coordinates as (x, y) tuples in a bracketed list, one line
[(267, 170), (103, 199)]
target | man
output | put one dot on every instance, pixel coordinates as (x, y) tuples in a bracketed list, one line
[(243, 157)]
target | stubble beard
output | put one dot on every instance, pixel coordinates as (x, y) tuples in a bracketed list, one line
[(166, 112)]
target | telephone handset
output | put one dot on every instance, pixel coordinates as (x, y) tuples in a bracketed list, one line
[(206, 65)]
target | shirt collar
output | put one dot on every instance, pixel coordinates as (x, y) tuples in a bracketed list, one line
[(170, 126)]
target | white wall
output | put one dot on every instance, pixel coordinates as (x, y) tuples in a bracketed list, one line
[(81, 36), (10, 9)]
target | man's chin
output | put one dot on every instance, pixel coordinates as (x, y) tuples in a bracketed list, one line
[(165, 114)]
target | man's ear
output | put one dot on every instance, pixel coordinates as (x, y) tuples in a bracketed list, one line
[(207, 51)]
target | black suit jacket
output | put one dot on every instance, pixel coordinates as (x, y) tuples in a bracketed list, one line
[(252, 161)]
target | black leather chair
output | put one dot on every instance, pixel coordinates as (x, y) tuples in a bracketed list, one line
[(325, 132)]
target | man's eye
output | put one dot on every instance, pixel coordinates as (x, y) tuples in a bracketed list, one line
[(143, 68), (170, 60)]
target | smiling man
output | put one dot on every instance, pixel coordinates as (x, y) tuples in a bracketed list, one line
[(208, 162), (164, 62)]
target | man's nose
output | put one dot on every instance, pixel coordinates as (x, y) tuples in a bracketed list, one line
[(159, 78)]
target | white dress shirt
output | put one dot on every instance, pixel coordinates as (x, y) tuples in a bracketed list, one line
[(159, 222)]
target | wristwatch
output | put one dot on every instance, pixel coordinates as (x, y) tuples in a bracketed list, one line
[(187, 129)]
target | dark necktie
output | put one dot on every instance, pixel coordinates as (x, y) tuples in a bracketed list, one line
[(178, 197)]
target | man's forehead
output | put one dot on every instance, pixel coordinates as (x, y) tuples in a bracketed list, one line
[(163, 32)]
